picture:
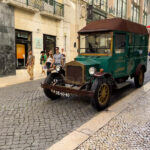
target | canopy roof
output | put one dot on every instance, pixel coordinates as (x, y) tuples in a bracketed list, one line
[(116, 24)]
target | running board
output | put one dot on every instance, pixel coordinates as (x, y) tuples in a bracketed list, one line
[(121, 85)]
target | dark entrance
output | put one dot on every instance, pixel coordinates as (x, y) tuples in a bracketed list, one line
[(49, 43), (23, 45)]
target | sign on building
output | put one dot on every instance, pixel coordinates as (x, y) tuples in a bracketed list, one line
[(38, 43)]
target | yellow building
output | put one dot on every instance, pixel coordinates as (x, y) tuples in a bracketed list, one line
[(44, 24), (134, 10)]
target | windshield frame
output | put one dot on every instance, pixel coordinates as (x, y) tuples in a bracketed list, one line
[(96, 54)]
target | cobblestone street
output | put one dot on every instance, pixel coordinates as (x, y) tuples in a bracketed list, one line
[(30, 121), (129, 130)]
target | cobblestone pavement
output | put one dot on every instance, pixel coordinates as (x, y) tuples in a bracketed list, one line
[(130, 130), (30, 121)]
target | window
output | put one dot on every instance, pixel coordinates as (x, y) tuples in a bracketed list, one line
[(51, 2), (90, 2), (136, 2), (145, 12), (144, 18), (121, 8), (120, 43), (97, 43), (135, 12), (103, 5), (100, 4)]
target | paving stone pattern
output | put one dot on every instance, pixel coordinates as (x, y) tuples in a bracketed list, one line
[(130, 130), (30, 121)]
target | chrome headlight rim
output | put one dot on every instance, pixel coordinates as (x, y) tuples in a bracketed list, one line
[(92, 70), (58, 68)]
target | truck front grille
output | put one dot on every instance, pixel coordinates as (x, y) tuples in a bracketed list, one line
[(74, 74)]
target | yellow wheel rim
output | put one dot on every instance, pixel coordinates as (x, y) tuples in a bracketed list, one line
[(141, 77), (103, 94)]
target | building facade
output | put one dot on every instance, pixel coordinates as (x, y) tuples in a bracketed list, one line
[(7, 40), (39, 25), (134, 10)]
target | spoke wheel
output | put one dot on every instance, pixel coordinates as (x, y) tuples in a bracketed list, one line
[(103, 94), (57, 80), (139, 79)]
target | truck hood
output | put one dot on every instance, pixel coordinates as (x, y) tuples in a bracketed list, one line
[(93, 61)]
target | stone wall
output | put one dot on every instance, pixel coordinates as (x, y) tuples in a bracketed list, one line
[(7, 41)]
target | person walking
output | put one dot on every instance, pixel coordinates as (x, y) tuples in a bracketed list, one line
[(49, 62), (30, 64), (63, 56), (58, 58), (149, 55), (43, 59)]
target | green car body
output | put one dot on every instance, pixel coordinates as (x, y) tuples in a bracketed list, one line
[(110, 51), (119, 65)]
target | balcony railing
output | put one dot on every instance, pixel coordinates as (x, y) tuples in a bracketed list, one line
[(54, 7), (42, 5), (58, 9)]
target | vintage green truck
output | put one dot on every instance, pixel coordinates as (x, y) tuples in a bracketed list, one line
[(110, 51)]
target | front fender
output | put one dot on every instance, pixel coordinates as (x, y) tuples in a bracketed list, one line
[(139, 67), (95, 84), (103, 74), (100, 76), (53, 75)]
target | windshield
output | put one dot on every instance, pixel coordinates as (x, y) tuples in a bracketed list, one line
[(96, 43)]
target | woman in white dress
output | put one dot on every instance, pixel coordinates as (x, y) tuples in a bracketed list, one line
[(49, 62)]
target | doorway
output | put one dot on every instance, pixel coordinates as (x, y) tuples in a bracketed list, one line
[(23, 45), (49, 43)]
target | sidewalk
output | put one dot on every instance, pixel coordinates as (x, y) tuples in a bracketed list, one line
[(125, 125), (20, 77)]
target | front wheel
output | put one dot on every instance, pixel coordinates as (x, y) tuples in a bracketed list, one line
[(139, 78), (102, 94), (57, 80)]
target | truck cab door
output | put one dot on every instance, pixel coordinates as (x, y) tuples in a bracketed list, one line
[(119, 55)]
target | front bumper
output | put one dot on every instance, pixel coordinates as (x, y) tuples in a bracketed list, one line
[(68, 90)]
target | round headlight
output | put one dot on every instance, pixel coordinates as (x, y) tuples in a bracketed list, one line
[(57, 68), (92, 70)]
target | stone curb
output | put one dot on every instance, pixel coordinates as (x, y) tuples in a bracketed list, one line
[(80, 135), (14, 82)]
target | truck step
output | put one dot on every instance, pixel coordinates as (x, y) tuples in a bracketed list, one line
[(121, 85)]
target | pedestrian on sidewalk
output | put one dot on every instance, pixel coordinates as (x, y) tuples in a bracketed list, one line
[(50, 62), (63, 56), (30, 64), (43, 59), (149, 55), (58, 58)]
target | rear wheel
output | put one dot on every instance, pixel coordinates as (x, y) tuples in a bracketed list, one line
[(102, 94), (55, 80), (139, 78)]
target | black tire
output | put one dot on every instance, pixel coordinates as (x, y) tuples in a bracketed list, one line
[(97, 99), (49, 79), (139, 78)]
